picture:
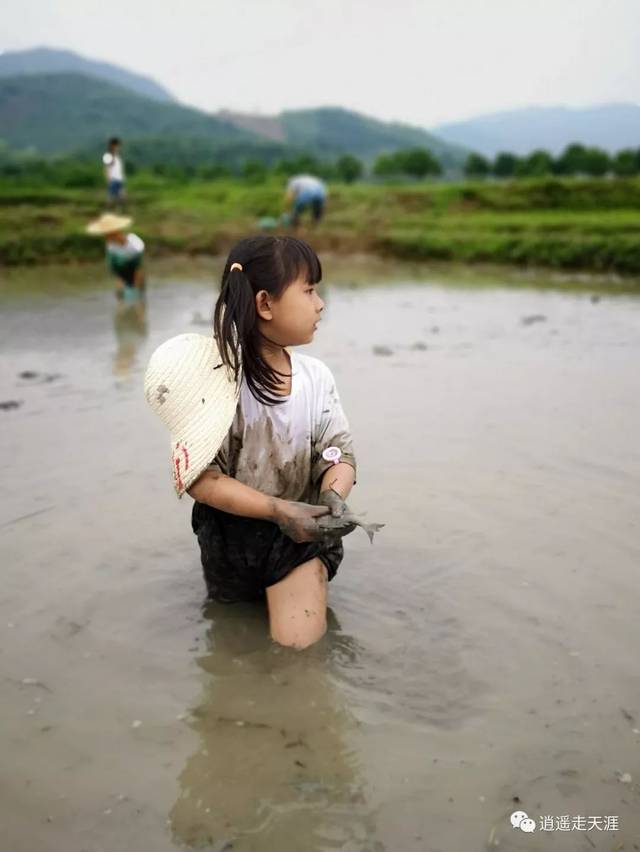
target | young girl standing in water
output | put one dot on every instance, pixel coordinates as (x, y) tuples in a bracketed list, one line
[(281, 450)]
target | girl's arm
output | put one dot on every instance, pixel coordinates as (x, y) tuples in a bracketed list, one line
[(335, 480), (229, 495), (339, 478)]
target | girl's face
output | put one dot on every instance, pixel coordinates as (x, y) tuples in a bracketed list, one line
[(292, 319)]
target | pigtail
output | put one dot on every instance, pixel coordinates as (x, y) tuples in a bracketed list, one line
[(234, 319), (257, 263)]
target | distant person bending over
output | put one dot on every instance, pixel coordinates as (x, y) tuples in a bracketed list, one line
[(306, 192), (114, 172), (125, 254)]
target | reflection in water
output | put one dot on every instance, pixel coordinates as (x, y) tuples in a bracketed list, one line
[(130, 325), (274, 768)]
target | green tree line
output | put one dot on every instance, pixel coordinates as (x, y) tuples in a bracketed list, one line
[(85, 170), (181, 161), (575, 160)]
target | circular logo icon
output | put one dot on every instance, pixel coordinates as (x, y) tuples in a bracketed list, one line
[(332, 454)]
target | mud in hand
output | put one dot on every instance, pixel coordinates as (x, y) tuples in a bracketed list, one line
[(323, 526), (298, 520)]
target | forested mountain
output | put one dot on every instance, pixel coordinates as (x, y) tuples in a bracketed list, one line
[(67, 113), (331, 131), (46, 60), (61, 113)]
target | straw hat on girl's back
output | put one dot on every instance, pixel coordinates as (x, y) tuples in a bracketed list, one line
[(108, 223), (195, 396)]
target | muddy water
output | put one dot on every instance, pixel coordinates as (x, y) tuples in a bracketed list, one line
[(482, 656)]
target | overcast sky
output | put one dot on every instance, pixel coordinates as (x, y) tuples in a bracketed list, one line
[(418, 61)]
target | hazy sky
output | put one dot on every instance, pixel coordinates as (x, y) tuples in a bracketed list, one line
[(420, 62)]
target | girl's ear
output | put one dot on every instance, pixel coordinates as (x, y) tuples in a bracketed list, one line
[(263, 305)]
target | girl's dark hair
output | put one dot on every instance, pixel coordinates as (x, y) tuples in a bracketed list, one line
[(271, 264)]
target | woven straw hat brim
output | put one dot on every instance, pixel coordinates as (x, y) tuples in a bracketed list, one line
[(108, 223), (196, 398)]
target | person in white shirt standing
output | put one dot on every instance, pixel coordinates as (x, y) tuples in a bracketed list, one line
[(114, 172)]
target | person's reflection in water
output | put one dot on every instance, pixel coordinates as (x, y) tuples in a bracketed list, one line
[(274, 769), (130, 326)]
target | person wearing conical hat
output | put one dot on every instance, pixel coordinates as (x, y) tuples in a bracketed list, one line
[(125, 254)]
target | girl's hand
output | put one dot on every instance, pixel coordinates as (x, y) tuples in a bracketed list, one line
[(334, 501), (297, 520)]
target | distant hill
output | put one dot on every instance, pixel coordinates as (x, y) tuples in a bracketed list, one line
[(65, 113), (332, 131), (610, 126), (45, 60), (61, 113)]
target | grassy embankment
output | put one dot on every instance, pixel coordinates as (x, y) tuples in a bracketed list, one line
[(564, 224)]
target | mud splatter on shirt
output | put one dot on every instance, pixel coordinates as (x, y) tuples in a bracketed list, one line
[(278, 449)]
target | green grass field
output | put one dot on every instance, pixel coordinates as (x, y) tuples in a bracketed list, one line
[(563, 224)]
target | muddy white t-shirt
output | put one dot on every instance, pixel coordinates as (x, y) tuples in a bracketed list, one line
[(277, 449)]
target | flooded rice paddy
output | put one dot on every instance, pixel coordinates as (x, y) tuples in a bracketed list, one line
[(482, 655)]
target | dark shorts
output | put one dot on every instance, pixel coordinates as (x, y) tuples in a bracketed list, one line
[(241, 557), (115, 189), (315, 204), (125, 269)]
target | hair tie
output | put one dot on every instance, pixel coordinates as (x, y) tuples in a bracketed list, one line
[(236, 266)]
